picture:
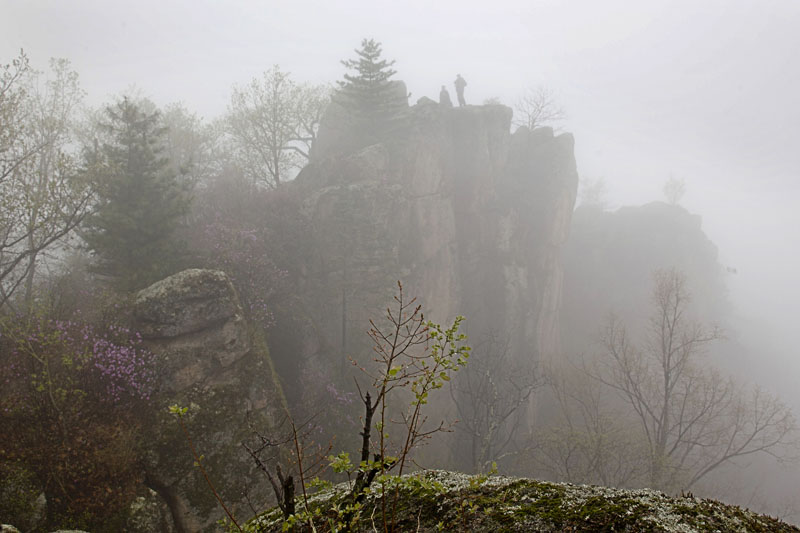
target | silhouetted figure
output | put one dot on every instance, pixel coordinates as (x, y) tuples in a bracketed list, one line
[(460, 83), (444, 98)]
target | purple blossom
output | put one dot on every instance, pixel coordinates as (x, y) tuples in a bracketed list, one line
[(111, 360)]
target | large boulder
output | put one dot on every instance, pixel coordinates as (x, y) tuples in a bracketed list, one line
[(210, 361), (193, 319), (189, 301)]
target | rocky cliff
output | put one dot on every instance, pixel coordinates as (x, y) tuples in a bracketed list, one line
[(470, 217)]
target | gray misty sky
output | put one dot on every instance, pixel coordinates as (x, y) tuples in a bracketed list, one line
[(706, 91)]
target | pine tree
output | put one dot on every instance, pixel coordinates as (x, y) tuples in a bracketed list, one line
[(369, 93), (140, 203)]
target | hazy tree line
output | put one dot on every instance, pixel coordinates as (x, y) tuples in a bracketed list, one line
[(96, 204), (649, 409), (125, 178)]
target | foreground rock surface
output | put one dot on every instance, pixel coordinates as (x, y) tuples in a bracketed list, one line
[(447, 501)]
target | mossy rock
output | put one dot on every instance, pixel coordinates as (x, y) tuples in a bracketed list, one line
[(22, 501), (446, 501)]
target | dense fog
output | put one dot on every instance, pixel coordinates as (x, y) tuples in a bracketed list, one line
[(605, 190)]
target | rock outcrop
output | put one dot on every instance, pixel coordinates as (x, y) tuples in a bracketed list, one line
[(195, 320), (609, 261), (436, 500), (210, 362), (470, 217)]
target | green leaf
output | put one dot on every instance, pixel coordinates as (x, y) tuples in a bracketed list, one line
[(177, 410)]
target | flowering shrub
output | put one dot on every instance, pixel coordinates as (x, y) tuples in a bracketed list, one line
[(110, 361), (73, 398)]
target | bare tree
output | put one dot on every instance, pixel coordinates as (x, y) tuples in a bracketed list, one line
[(692, 419), (42, 196), (14, 150), (273, 124), (311, 103), (287, 454), (538, 107), (491, 395), (674, 189), (594, 193), (587, 441)]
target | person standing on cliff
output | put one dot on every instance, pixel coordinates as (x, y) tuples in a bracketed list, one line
[(444, 98), (460, 83)]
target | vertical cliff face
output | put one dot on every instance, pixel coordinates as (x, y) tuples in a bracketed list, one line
[(468, 216)]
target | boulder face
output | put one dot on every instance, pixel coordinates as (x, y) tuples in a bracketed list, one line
[(194, 318), (211, 362), (189, 301), (468, 216)]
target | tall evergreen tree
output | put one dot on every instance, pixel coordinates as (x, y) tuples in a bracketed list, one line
[(141, 200), (369, 92)]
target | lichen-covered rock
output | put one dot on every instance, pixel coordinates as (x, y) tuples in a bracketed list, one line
[(189, 301), (194, 321), (211, 362), (446, 501), (149, 513)]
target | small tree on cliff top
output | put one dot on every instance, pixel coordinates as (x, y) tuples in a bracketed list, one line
[(368, 92), (538, 107)]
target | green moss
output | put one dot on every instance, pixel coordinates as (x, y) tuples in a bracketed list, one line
[(18, 493), (515, 505)]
